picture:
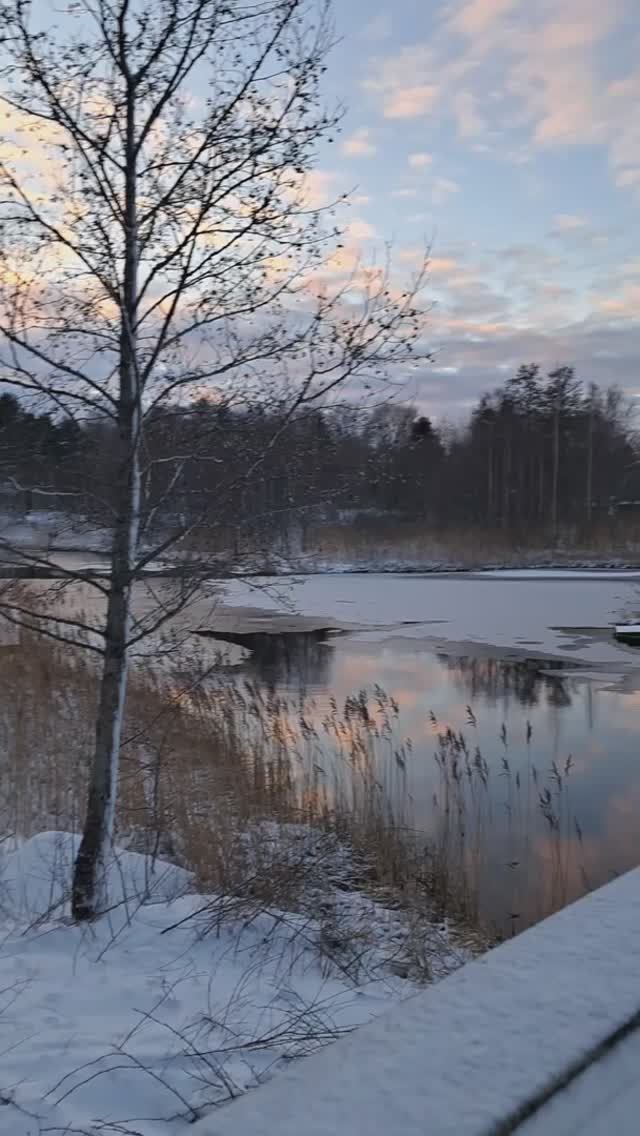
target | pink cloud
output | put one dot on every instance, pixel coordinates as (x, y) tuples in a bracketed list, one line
[(476, 17), (442, 189), (468, 119), (554, 72), (419, 161), (315, 188), (535, 66), (359, 144), (403, 83), (568, 222), (360, 230), (411, 102), (624, 306), (442, 265)]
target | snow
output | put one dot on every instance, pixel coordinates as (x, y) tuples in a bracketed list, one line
[(605, 1099), (48, 529), (390, 560), (142, 1020), (34, 883), (561, 574), (462, 1057), (569, 618), (628, 629)]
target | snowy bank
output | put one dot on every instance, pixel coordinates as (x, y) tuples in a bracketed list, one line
[(35, 879), (479, 1052), (559, 615), (50, 530), (148, 1018)]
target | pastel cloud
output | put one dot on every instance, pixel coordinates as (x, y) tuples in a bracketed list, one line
[(359, 144), (496, 309), (27, 145), (419, 161), (314, 189), (540, 69), (568, 223), (554, 74), (472, 353), (628, 179), (624, 306), (379, 27), (477, 17), (360, 230), (548, 93), (469, 121), (402, 85), (442, 189), (442, 265), (411, 102), (623, 97)]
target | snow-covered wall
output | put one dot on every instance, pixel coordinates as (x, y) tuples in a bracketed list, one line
[(463, 1057)]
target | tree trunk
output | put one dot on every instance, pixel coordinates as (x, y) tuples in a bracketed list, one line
[(490, 485), (89, 893), (90, 873), (589, 497), (556, 470), (506, 486)]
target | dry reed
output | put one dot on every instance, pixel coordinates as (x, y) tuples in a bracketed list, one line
[(262, 798)]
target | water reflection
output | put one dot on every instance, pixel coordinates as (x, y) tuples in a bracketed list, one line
[(304, 660), (528, 681), (294, 660), (533, 721)]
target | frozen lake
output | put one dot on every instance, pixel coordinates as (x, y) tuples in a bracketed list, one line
[(524, 664), (533, 658), (567, 615)]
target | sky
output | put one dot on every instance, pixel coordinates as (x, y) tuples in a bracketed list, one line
[(505, 135)]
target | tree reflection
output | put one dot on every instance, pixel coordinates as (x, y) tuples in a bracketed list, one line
[(529, 681), (293, 659)]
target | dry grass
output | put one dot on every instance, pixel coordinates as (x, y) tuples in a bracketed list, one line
[(222, 778), (269, 801), (388, 541), (489, 818)]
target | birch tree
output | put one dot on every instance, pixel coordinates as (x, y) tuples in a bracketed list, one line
[(158, 240)]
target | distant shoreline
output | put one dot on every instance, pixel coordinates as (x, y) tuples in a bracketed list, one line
[(171, 569)]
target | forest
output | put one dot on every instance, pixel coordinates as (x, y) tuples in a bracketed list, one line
[(540, 453)]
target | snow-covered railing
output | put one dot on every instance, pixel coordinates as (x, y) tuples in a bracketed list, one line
[(477, 1053)]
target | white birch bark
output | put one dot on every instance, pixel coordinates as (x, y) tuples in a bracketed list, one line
[(90, 892)]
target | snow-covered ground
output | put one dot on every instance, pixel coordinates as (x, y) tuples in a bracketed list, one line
[(158, 1011), (52, 530), (141, 1024), (477, 1054), (628, 574), (563, 614), (604, 1100), (42, 530)]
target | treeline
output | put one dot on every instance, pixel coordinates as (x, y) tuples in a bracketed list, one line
[(541, 452), (37, 450)]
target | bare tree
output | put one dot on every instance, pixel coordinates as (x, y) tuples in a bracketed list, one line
[(562, 393), (591, 406), (161, 242)]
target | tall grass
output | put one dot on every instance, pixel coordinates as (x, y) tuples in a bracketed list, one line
[(506, 836), (224, 777), (389, 540)]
